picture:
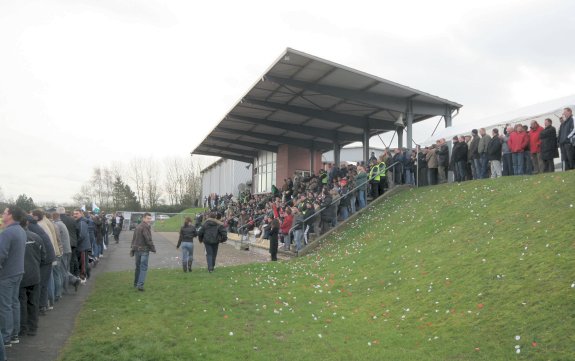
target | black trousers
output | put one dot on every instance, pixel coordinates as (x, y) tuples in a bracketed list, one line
[(45, 272), (29, 307), (274, 248), (567, 156), (548, 166), (212, 253)]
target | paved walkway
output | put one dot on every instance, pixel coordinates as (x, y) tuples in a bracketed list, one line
[(56, 327)]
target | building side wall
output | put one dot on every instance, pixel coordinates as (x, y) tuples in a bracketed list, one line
[(225, 177), (291, 158)]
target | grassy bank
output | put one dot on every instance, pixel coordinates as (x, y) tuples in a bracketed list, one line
[(478, 271), (176, 221)]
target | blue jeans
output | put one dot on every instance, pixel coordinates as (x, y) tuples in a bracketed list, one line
[(344, 213), (10, 307), (352, 200), (484, 165), (58, 277), (361, 199), (298, 235), (517, 159), (141, 268), (409, 177), (187, 252)]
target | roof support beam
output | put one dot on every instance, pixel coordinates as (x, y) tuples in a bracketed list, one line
[(303, 129), (372, 99), (303, 143), (225, 156), (329, 116), (259, 146), (249, 153)]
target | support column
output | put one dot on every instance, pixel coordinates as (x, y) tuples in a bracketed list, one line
[(400, 137), (447, 117), (366, 146), (336, 149), (409, 125)]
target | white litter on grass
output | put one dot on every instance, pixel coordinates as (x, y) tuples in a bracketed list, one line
[(517, 338), (231, 333)]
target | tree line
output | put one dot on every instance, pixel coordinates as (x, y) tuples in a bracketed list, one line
[(144, 184)]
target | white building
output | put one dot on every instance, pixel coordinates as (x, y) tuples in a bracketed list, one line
[(225, 176), (352, 154)]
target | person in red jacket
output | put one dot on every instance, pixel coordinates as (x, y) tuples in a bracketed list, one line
[(535, 147), (285, 227), (518, 141)]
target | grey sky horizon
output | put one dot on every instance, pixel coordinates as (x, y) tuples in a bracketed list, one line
[(87, 83)]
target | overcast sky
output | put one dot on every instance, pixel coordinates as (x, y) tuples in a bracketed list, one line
[(84, 83)]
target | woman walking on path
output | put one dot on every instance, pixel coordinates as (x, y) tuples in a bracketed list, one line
[(187, 235)]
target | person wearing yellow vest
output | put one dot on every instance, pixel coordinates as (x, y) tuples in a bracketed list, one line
[(377, 176)]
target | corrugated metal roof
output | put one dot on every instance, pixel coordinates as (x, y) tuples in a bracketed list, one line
[(309, 102)]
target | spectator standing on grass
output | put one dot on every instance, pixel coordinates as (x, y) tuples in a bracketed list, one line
[(459, 158), (186, 241), (212, 233), (12, 250), (482, 150), (274, 235), (549, 152), (298, 229), (506, 152), (535, 147), (473, 155), (432, 165), (142, 245), (565, 130), (518, 141), (494, 154), (442, 152)]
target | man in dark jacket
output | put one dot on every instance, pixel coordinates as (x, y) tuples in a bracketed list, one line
[(442, 152), (494, 153), (142, 245), (84, 245), (459, 158), (473, 155), (565, 129), (46, 266), (211, 234), (549, 152), (70, 224), (29, 297)]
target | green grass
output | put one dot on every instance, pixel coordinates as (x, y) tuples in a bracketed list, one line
[(453, 272), (176, 221)]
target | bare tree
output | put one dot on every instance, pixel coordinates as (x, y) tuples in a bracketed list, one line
[(136, 167), (171, 170), (151, 175)]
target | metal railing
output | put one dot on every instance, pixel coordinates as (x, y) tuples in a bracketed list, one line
[(387, 168)]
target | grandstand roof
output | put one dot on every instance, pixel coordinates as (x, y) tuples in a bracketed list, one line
[(312, 103)]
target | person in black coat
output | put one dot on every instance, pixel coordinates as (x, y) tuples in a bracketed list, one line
[(274, 234), (549, 152), (212, 233), (494, 154), (459, 158), (46, 266), (29, 294), (329, 213)]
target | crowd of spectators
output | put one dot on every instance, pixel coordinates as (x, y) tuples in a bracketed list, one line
[(44, 255), (341, 191)]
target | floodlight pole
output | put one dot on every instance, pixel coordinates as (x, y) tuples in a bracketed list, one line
[(409, 124), (366, 146)]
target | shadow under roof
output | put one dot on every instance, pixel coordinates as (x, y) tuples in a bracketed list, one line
[(313, 103)]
